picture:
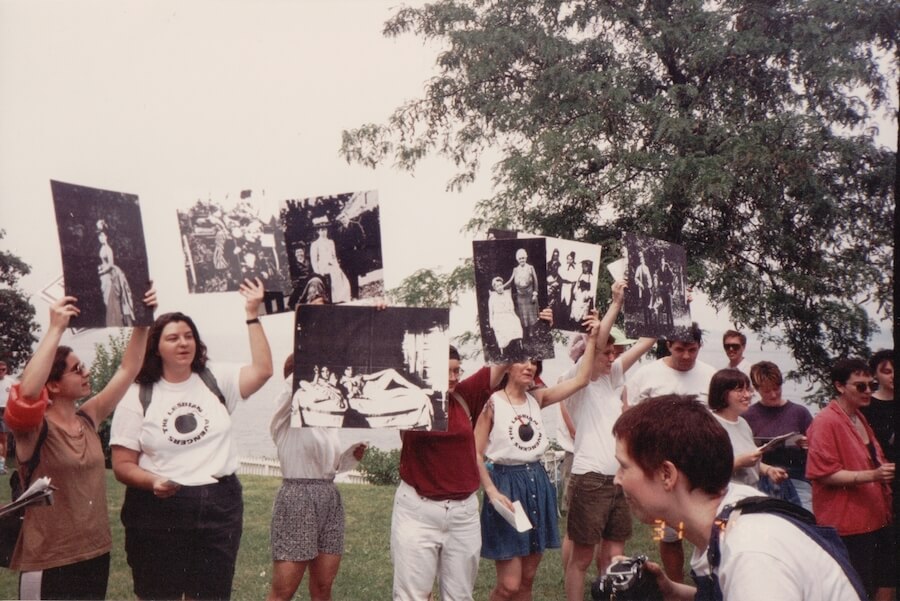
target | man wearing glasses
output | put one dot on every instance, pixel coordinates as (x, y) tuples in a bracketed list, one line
[(851, 478), (734, 343)]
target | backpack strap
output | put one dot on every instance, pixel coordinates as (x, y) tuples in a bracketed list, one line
[(210, 380), (824, 536), (462, 402), (145, 391), (33, 461), (145, 394)]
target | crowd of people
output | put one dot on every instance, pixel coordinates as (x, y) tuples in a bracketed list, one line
[(678, 445)]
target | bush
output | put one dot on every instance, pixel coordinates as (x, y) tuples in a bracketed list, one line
[(381, 467)]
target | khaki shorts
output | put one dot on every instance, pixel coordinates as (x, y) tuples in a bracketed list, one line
[(597, 511)]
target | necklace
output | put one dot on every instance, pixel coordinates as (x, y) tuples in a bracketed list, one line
[(526, 432), (853, 418)]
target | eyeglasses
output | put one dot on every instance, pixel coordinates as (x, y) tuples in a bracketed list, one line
[(456, 371), (732, 347), (863, 386), (79, 368)]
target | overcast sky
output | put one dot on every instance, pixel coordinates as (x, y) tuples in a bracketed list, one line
[(175, 101)]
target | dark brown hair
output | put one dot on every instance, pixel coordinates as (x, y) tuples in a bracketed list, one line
[(680, 429), (723, 382), (152, 369), (734, 334), (58, 368)]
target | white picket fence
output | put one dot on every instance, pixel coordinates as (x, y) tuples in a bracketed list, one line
[(267, 466)]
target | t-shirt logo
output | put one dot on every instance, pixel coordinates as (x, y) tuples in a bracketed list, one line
[(522, 429), (185, 424)]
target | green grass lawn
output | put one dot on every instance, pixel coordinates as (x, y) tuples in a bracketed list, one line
[(366, 571)]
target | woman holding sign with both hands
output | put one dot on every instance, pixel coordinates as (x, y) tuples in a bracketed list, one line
[(63, 549), (173, 448), (509, 431)]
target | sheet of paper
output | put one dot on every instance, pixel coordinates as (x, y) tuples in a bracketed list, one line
[(617, 269), (518, 519), (777, 440), (195, 481)]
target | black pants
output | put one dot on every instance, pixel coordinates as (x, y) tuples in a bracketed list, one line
[(186, 544), (873, 555), (83, 580)]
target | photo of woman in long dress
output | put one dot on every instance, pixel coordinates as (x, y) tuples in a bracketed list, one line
[(325, 262), (525, 280), (113, 284), (502, 316)]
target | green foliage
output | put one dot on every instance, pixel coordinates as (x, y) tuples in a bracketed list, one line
[(742, 130), (428, 288), (381, 467), (107, 359), (17, 325)]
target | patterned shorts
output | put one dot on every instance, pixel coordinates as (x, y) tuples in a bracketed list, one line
[(307, 520)]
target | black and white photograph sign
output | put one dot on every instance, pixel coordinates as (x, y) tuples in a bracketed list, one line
[(359, 367), (229, 239), (572, 272), (334, 247), (511, 289), (656, 297), (104, 256)]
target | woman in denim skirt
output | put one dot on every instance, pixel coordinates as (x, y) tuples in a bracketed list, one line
[(510, 433)]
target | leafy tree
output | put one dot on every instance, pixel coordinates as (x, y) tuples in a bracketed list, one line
[(17, 325), (107, 359), (742, 130)]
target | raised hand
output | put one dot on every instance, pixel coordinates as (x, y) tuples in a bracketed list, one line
[(62, 310), (253, 292)]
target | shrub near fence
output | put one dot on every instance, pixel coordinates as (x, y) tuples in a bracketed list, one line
[(381, 467)]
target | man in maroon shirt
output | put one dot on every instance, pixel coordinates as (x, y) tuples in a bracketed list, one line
[(435, 528)]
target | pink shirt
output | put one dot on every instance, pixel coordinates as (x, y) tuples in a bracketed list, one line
[(834, 445)]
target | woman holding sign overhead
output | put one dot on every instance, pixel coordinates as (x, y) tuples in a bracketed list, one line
[(510, 433), (173, 448), (63, 548)]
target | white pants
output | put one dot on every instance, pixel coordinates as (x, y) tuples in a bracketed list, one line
[(434, 539)]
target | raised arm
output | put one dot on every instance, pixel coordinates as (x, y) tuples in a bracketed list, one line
[(37, 370), (566, 388), (104, 402), (615, 305), (637, 350), (254, 375)]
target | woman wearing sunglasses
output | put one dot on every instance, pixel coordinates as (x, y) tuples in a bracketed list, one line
[(510, 433), (63, 549), (851, 478)]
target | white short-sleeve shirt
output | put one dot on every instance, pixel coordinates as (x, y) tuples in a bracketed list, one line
[(186, 433), (657, 378), (594, 410), (766, 557)]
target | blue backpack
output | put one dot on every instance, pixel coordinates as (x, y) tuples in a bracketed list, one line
[(708, 588)]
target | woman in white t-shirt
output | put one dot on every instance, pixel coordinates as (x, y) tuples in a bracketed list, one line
[(172, 446), (729, 397)]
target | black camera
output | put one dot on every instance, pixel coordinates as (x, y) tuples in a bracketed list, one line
[(626, 580)]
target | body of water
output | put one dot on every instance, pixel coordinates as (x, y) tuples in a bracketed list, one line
[(252, 418)]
